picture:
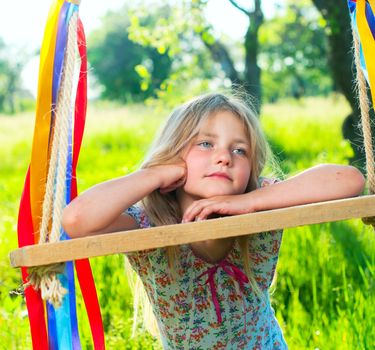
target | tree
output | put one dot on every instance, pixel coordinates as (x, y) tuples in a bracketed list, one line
[(251, 76), (341, 62), (10, 79), (126, 70), (175, 33), (188, 24), (294, 54)]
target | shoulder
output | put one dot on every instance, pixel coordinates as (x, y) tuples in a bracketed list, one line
[(266, 242), (139, 258), (264, 251)]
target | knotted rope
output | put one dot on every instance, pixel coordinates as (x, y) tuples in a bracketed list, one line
[(45, 277), (364, 104)]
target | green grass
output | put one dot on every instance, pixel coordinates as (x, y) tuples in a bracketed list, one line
[(324, 292)]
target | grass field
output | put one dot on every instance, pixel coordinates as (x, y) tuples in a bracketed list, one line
[(324, 292)]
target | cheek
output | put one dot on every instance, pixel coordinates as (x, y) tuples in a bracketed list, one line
[(193, 173), (244, 176), (195, 164)]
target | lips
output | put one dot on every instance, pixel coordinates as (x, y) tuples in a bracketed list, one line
[(220, 175)]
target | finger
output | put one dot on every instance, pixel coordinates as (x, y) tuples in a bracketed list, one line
[(190, 213), (204, 210), (194, 210), (214, 208)]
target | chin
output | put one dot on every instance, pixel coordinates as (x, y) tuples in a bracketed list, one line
[(213, 193), (209, 191)]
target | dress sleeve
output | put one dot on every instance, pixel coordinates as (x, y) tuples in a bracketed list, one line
[(140, 259), (264, 253), (138, 214), (264, 249)]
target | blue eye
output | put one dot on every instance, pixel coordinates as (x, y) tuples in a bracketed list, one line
[(239, 151), (205, 144)]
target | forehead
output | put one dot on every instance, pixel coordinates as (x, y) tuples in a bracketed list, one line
[(224, 121)]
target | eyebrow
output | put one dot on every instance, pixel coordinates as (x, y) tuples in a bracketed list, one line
[(215, 136)]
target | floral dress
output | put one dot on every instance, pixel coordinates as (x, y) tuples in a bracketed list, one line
[(212, 305)]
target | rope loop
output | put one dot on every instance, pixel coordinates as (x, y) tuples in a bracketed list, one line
[(44, 278)]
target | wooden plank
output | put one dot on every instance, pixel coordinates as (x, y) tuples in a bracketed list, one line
[(162, 236)]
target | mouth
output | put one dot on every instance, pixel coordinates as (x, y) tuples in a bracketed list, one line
[(220, 175)]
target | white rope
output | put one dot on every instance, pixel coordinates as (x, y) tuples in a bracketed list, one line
[(45, 278), (364, 104), (64, 109)]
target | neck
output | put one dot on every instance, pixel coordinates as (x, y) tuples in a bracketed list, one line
[(212, 250)]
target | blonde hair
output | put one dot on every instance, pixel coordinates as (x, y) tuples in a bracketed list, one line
[(179, 130)]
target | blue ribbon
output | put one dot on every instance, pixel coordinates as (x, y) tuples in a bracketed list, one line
[(62, 322), (353, 15), (370, 19), (52, 331)]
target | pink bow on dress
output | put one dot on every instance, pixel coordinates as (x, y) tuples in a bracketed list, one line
[(231, 270)]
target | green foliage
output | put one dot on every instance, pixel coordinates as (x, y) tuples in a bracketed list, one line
[(177, 33), (293, 50), (312, 143), (294, 56), (127, 50), (126, 70), (324, 293)]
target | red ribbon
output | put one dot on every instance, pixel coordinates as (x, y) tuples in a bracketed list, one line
[(83, 269), (231, 270), (34, 302)]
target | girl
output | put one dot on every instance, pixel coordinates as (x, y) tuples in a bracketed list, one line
[(207, 162)]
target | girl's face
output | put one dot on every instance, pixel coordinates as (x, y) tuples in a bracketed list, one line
[(217, 159)]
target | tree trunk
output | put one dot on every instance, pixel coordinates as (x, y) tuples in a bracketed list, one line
[(221, 55), (341, 60), (250, 80), (251, 44)]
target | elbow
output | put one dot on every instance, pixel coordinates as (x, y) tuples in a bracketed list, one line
[(355, 181), (70, 222)]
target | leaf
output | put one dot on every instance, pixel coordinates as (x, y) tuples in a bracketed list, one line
[(142, 71), (162, 49)]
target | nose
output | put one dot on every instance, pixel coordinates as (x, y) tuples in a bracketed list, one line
[(223, 157)]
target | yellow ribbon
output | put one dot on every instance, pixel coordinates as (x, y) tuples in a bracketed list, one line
[(367, 42), (40, 149)]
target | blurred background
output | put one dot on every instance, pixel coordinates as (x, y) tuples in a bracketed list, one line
[(146, 57), (170, 50)]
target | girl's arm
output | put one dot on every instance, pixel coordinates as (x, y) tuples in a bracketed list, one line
[(101, 208), (319, 183)]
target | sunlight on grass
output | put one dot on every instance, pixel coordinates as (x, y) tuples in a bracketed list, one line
[(308, 132)]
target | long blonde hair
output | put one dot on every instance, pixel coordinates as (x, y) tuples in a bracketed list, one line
[(179, 130)]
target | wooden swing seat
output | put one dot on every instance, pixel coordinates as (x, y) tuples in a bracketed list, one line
[(162, 236)]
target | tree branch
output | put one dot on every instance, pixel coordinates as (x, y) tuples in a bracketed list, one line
[(234, 3), (220, 54), (257, 5)]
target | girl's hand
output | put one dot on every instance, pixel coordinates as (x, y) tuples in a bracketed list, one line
[(222, 205), (171, 176)]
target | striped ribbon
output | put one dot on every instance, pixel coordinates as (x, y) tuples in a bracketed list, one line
[(363, 22), (57, 328)]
